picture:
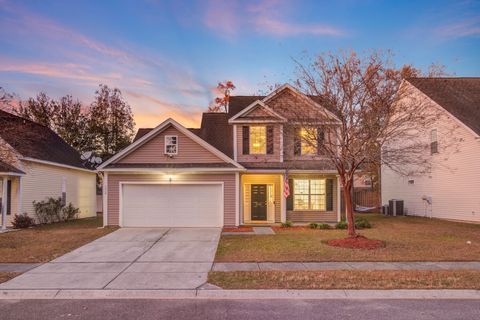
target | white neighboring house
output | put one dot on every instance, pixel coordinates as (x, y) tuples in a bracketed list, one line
[(43, 165), (452, 189)]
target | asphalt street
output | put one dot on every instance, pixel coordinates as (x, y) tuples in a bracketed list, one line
[(240, 309)]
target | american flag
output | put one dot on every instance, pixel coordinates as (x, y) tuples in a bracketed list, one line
[(286, 187)]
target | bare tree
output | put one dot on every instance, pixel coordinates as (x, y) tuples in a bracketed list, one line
[(370, 110)]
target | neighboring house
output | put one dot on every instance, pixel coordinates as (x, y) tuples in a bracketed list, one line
[(451, 189), (231, 171), (41, 165)]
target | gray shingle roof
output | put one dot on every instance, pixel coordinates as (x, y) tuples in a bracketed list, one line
[(459, 96), (33, 140)]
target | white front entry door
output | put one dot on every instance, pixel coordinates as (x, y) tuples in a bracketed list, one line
[(172, 205)]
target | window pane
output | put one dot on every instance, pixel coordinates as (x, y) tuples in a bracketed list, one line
[(300, 186), (317, 202), (258, 140), (309, 141), (300, 202), (317, 186)]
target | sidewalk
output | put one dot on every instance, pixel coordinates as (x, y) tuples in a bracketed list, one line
[(243, 294), (305, 266)]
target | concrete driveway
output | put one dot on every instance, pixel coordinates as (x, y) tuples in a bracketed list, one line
[(130, 258)]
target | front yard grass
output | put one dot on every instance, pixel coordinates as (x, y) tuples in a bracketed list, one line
[(407, 239), (5, 276), (47, 242), (348, 279)]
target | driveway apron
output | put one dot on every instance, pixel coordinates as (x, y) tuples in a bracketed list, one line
[(130, 258)]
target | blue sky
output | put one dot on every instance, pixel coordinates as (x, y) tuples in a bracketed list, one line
[(167, 56)]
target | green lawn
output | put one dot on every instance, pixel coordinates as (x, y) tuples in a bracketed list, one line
[(407, 239), (47, 242), (348, 279)]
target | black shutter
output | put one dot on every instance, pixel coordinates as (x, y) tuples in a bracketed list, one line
[(246, 139), (269, 139), (9, 197), (329, 194), (320, 140), (290, 196), (297, 142)]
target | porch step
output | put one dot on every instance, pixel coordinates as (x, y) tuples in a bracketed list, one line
[(263, 230)]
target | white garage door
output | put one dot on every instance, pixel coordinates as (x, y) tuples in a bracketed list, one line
[(172, 205)]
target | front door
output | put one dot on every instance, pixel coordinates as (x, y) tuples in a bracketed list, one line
[(259, 202)]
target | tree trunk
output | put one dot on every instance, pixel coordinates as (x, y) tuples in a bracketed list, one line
[(347, 193)]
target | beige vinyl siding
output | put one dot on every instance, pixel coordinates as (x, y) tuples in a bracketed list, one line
[(113, 201), (453, 184), (312, 215), (153, 150), (42, 181), (248, 179)]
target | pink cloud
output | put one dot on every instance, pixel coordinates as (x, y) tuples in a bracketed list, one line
[(268, 17)]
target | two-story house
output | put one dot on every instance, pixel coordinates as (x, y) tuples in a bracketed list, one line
[(451, 188), (246, 166)]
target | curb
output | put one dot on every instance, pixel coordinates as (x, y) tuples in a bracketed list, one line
[(242, 294)]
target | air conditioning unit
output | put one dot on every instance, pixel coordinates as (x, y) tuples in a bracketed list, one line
[(395, 207), (385, 209)]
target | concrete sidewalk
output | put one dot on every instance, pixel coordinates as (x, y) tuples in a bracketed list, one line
[(241, 294), (309, 266)]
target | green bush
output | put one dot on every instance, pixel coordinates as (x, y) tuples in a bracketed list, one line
[(313, 225), (53, 210), (70, 212), (324, 226), (22, 221), (287, 224), (341, 225), (362, 223)]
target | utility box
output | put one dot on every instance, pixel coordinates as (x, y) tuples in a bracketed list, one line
[(385, 209), (395, 207)]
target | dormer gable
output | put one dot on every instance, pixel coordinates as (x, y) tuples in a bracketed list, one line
[(258, 111)]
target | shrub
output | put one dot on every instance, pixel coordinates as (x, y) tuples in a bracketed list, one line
[(362, 223), (22, 221), (287, 224), (324, 226), (70, 212), (313, 225), (341, 225), (53, 210)]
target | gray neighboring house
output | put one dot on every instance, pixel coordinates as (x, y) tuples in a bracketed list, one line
[(43, 165)]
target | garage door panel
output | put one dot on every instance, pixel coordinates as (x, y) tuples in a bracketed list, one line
[(165, 205)]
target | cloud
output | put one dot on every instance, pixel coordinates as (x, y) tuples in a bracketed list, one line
[(63, 54), (153, 111), (466, 28), (269, 17)]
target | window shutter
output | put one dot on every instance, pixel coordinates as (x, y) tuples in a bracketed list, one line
[(246, 139), (9, 197), (290, 197), (270, 140), (329, 194), (297, 142), (320, 140)]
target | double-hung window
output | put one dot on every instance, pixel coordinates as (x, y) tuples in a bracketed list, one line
[(258, 139), (309, 194), (309, 141), (171, 145)]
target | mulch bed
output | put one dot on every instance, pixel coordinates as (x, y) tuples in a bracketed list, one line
[(291, 228), (238, 229), (358, 242)]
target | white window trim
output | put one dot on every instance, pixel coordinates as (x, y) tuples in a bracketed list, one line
[(309, 194), (165, 144)]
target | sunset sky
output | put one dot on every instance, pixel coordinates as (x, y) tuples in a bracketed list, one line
[(167, 56)]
